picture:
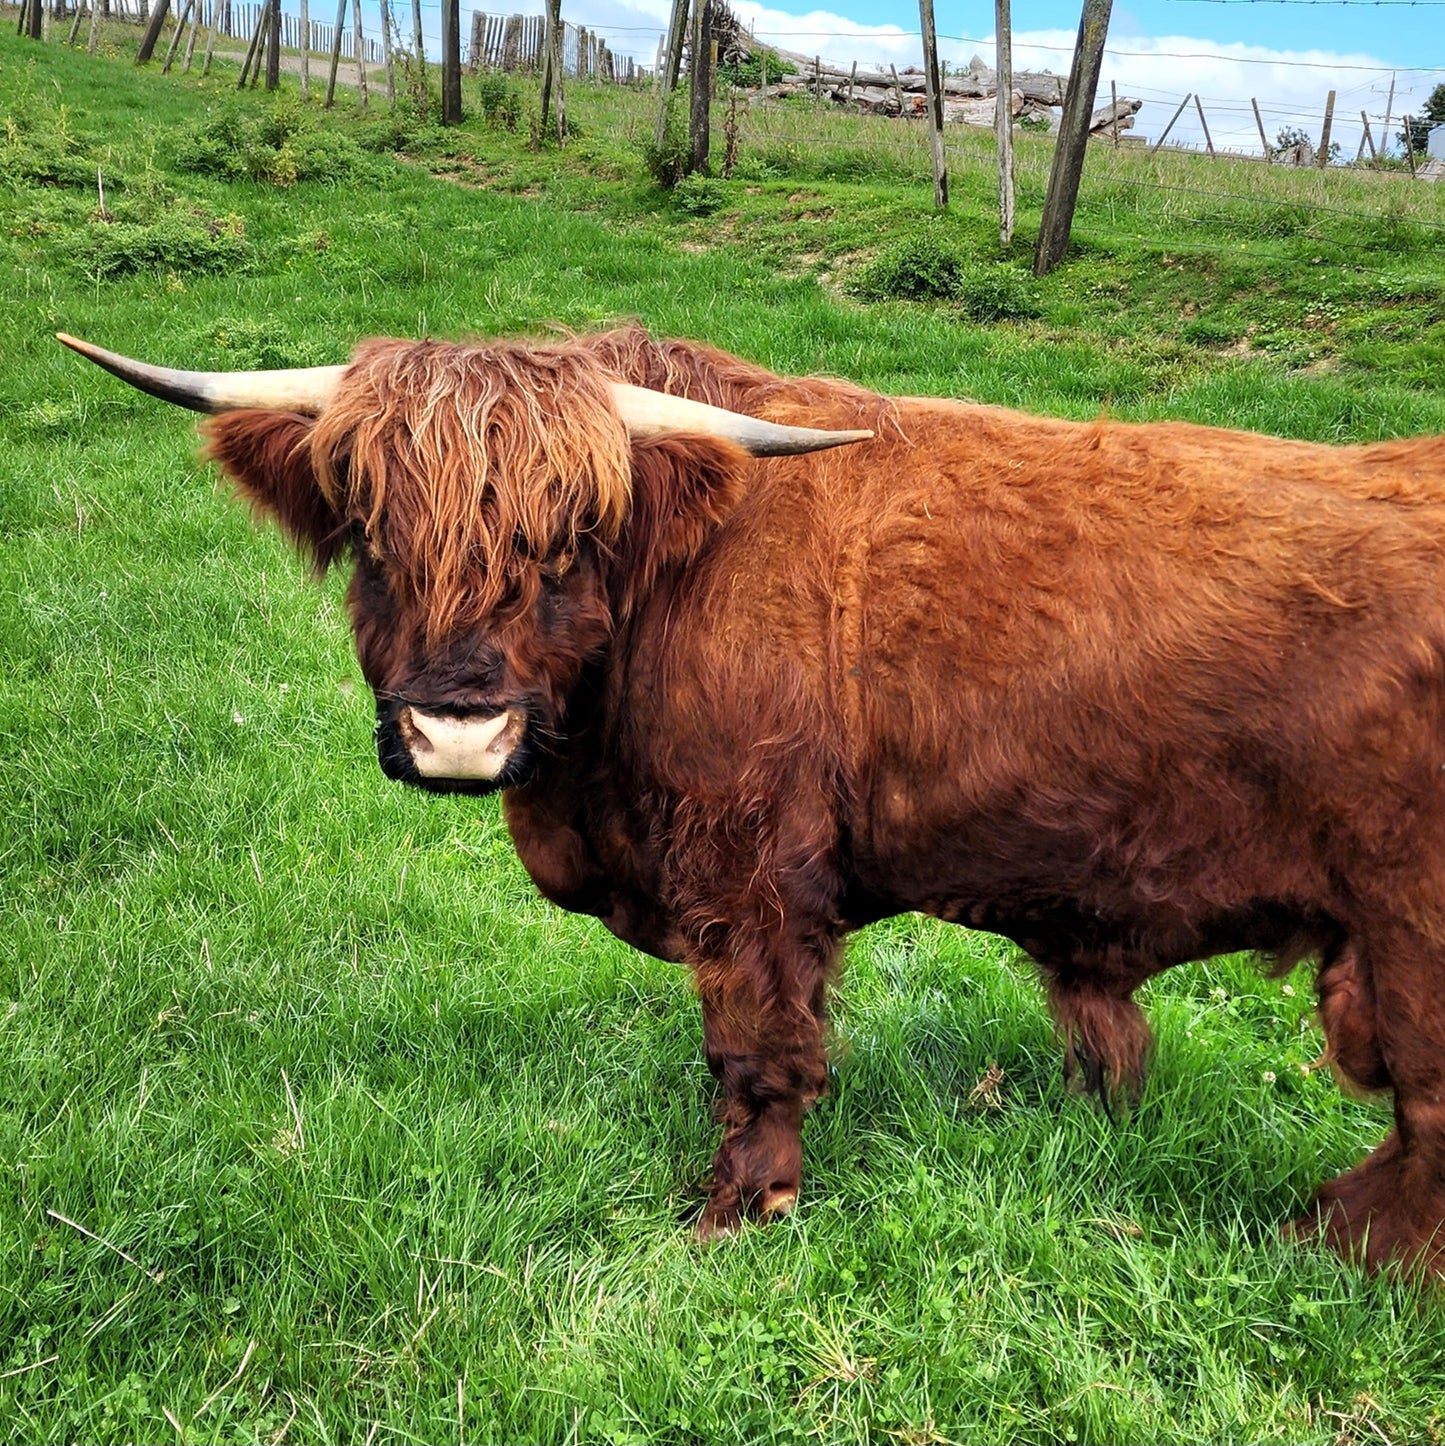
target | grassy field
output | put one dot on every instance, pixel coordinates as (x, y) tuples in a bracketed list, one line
[(316, 1124)]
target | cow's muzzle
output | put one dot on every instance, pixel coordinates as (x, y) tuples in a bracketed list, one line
[(451, 751)]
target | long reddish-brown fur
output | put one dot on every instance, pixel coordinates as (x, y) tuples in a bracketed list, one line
[(1127, 694)]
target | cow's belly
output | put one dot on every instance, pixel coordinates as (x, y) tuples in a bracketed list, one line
[(1090, 886)]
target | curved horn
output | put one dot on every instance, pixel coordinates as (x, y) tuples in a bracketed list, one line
[(655, 414), (302, 389)]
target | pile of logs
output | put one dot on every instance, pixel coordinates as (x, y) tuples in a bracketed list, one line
[(969, 96)]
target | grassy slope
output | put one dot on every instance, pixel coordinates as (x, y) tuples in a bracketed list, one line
[(309, 1051)]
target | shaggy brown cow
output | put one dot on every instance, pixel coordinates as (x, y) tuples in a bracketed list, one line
[(1128, 694)]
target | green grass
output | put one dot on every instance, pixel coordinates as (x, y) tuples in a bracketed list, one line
[(393, 1150)]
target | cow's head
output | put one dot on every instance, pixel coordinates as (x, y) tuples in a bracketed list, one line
[(500, 504)]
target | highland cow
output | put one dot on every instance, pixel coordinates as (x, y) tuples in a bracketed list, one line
[(1129, 695)]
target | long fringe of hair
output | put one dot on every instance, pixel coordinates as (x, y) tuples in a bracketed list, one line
[(469, 468)]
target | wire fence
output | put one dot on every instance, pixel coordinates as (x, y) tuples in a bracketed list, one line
[(490, 42)]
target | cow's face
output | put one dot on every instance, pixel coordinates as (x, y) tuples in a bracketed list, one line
[(482, 586)]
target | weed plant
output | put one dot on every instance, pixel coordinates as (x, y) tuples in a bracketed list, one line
[(318, 1125)]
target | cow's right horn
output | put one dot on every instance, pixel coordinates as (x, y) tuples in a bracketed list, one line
[(656, 414), (299, 389)]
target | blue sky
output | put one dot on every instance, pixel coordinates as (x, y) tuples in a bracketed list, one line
[(1285, 55)]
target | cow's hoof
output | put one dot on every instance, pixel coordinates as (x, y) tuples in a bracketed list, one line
[(1378, 1216), (726, 1212)]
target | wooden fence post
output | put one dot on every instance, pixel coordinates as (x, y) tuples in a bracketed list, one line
[(211, 38), (148, 40), (1410, 144), (672, 62), (176, 38), (1322, 159), (451, 62), (94, 27), (305, 50), (699, 132), (1004, 120), (1208, 139), (416, 36), (335, 52), (191, 38), (253, 49), (273, 47), (1068, 167), (1263, 139), (1172, 119), (934, 85), (1385, 129), (1367, 138), (387, 59), (552, 70), (360, 52)]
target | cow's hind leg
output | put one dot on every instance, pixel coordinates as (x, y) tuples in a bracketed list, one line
[(1106, 1037), (1383, 1009)]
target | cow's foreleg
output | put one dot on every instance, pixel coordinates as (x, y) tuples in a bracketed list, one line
[(1384, 1013), (763, 1024)]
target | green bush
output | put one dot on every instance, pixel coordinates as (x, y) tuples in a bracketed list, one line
[(996, 293), (38, 147), (252, 345), (176, 241), (699, 195), (749, 73), (916, 268), (667, 163), (499, 102), (278, 146), (924, 268)]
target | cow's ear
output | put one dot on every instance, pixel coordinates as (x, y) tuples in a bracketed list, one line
[(683, 486), (268, 456)]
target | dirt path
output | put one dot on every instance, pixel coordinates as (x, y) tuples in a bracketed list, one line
[(320, 64)]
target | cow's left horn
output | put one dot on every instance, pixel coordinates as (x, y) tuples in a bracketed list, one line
[(299, 389), (655, 414)]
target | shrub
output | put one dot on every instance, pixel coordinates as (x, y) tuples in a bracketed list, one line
[(667, 163), (749, 72), (917, 268), (37, 147), (698, 195), (996, 293), (178, 241), (499, 102), (252, 345), (278, 146)]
